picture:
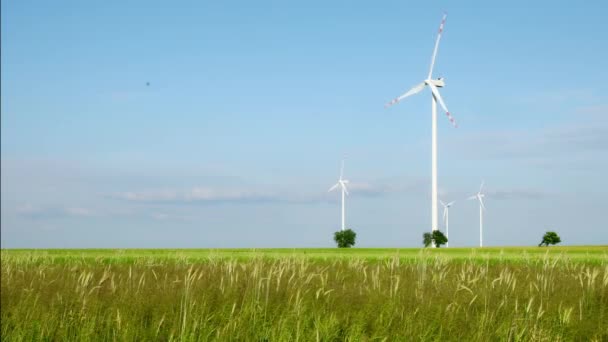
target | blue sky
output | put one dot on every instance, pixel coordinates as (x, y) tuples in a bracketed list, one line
[(251, 106)]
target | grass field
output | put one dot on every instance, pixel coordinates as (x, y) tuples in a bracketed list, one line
[(518, 294)]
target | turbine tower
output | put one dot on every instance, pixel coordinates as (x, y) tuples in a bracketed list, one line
[(342, 184), (446, 217), (479, 196), (436, 97)]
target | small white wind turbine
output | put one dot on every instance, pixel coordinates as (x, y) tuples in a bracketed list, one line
[(446, 217), (433, 84), (342, 184), (479, 196)]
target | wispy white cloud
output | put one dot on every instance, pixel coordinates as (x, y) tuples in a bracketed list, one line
[(201, 195), (558, 97), (170, 216), (160, 216), (212, 195), (77, 211), (594, 111), (39, 212), (588, 136), (503, 193), (384, 189), (515, 194)]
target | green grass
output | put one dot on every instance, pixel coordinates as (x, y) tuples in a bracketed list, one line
[(556, 293), (511, 254)]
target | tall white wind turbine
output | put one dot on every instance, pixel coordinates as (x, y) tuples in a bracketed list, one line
[(446, 218), (433, 85), (479, 196), (342, 185)]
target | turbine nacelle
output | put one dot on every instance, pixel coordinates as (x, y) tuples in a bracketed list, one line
[(479, 196), (434, 85), (446, 208), (437, 83), (446, 205), (341, 182)]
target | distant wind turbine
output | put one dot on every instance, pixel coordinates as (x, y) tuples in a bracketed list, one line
[(446, 217), (342, 184), (433, 85), (479, 196)]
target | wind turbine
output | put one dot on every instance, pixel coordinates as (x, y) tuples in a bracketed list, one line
[(446, 217), (342, 184), (433, 85), (479, 196)]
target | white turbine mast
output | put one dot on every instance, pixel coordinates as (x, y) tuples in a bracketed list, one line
[(479, 196), (342, 185), (433, 84), (446, 218)]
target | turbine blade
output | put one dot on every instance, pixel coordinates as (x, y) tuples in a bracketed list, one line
[(345, 189), (481, 202), (442, 104), (481, 186), (445, 15), (443, 204), (450, 204), (445, 214), (333, 187), (472, 197), (342, 169), (416, 89)]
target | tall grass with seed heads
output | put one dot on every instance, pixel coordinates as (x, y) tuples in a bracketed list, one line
[(185, 296)]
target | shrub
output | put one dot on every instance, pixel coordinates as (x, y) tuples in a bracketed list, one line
[(345, 238), (550, 238), (436, 237)]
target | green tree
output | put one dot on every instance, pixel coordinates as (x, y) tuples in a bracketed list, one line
[(439, 238), (436, 238), (427, 239), (345, 238), (550, 238)]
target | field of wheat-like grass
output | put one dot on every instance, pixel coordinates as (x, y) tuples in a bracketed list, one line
[(512, 294)]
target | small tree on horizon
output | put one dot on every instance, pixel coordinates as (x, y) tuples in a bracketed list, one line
[(427, 239), (436, 237), (345, 238), (550, 238)]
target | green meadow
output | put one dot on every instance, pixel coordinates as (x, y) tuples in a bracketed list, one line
[(359, 294)]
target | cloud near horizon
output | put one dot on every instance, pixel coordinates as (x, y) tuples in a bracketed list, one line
[(516, 194), (36, 212), (210, 195)]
